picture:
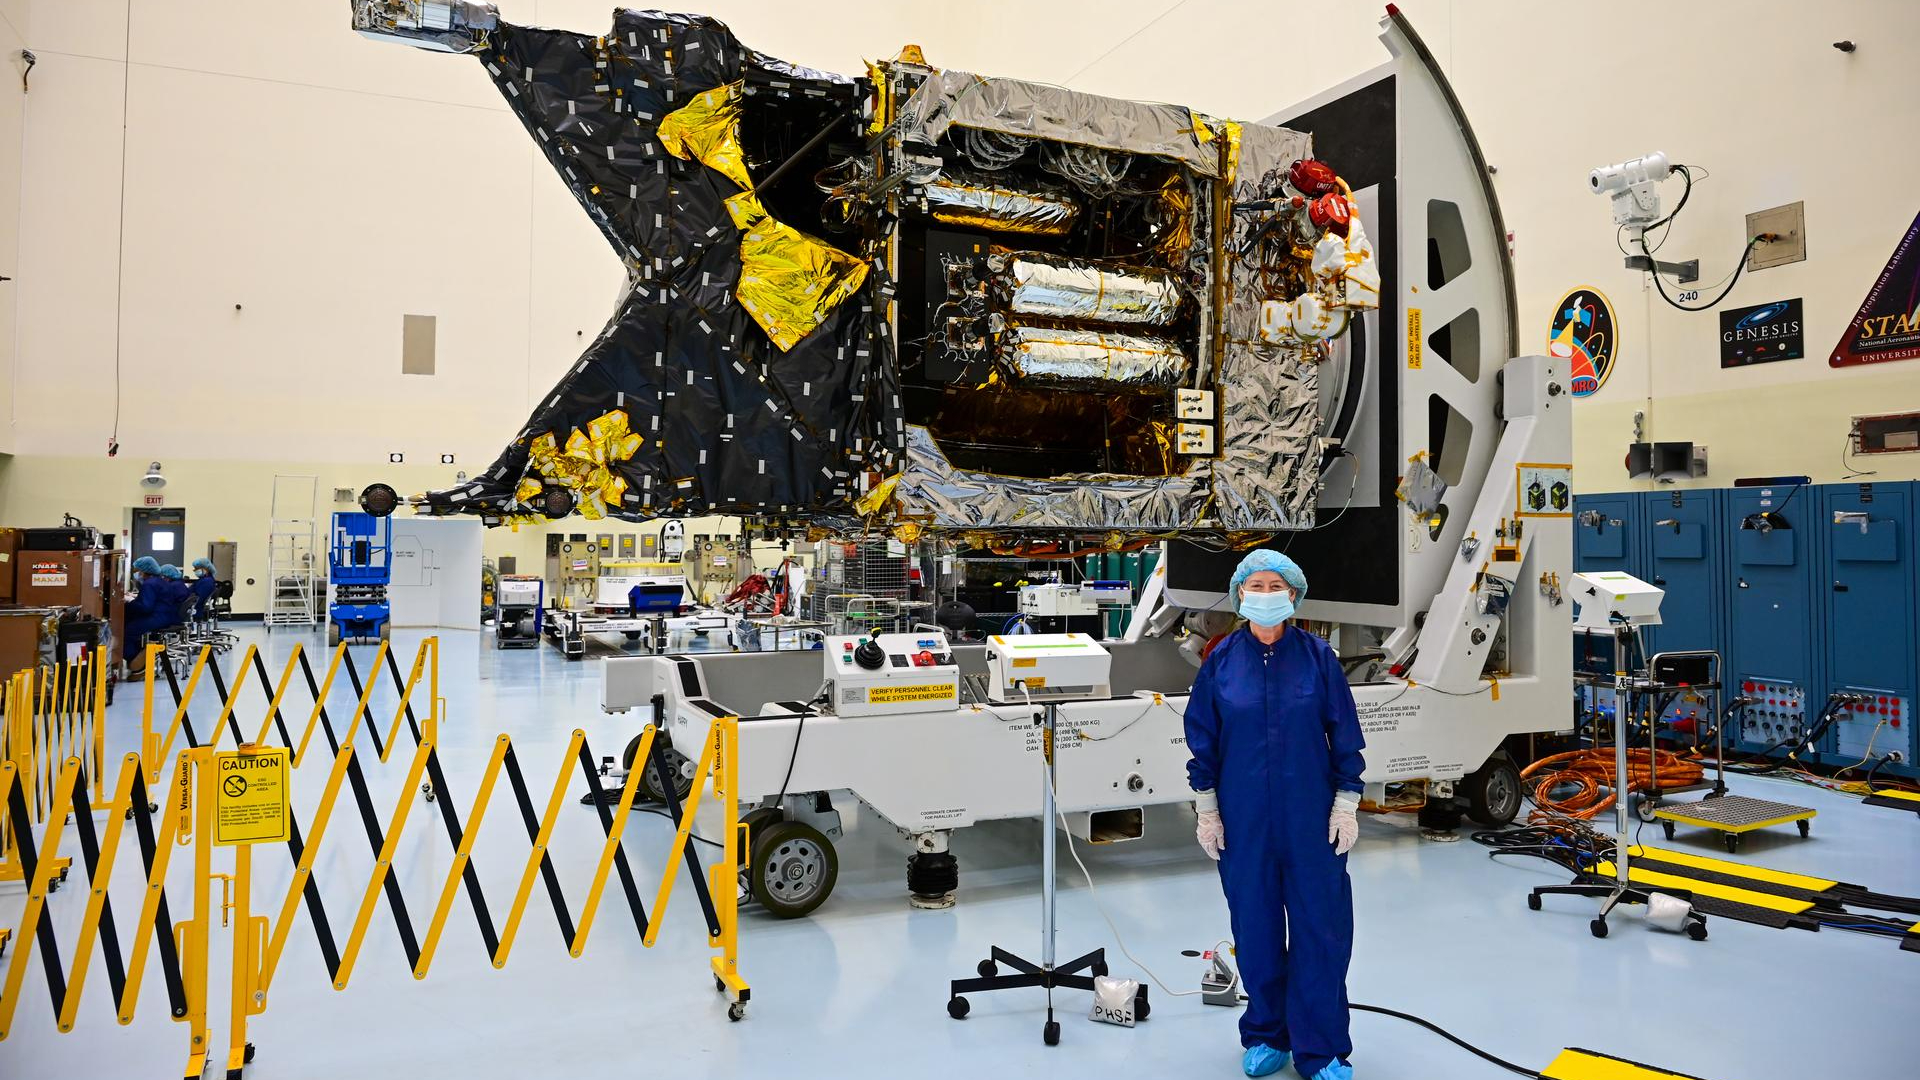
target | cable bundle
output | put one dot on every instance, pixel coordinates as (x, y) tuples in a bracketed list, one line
[(1591, 774)]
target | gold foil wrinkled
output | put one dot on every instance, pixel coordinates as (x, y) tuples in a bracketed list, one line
[(707, 129), (582, 464), (789, 282)]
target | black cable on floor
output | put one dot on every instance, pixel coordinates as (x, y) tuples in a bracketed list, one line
[(1456, 1040)]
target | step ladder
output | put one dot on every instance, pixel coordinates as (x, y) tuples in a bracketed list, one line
[(293, 573)]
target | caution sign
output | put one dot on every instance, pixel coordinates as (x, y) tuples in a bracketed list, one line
[(1413, 339), (894, 695), (250, 798)]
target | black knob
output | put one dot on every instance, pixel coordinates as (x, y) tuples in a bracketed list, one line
[(869, 655)]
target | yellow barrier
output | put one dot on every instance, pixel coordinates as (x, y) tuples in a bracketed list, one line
[(197, 812), (51, 714)]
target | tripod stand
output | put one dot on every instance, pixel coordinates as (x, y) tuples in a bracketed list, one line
[(1046, 973)]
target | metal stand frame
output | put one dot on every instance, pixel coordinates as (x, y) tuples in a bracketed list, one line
[(1046, 973), (1621, 890)]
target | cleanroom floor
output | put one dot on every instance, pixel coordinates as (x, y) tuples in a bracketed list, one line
[(859, 989)]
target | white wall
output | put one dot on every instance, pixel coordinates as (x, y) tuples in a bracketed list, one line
[(328, 185), (13, 26)]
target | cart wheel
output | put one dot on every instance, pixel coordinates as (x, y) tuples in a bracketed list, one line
[(1697, 931), (794, 869), (333, 634), (248, 1056), (1732, 841), (651, 785), (737, 1011), (1667, 827), (1644, 806), (957, 1008), (1051, 1033), (1533, 901), (1142, 1008), (1493, 793), (988, 969), (427, 790), (719, 984), (1599, 927), (1806, 827)]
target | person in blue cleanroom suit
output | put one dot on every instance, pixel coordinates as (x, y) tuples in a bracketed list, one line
[(203, 586), (137, 618), (1276, 777)]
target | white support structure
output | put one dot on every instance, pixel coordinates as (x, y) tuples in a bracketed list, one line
[(293, 553)]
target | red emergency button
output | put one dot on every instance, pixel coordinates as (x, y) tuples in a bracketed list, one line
[(923, 658)]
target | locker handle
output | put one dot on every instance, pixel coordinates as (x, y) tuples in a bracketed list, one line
[(1743, 583), (1660, 581), (1838, 587)]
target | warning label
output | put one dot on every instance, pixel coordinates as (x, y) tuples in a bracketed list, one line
[(1377, 718), (250, 803), (894, 695)]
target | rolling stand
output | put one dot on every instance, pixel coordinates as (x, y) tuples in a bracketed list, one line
[(1622, 889), (1046, 973)]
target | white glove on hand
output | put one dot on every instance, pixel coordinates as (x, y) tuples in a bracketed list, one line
[(1210, 830), (1343, 826)]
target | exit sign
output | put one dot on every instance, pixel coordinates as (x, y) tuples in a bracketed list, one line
[(155, 500)]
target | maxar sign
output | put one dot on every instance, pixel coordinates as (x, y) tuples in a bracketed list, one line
[(920, 300)]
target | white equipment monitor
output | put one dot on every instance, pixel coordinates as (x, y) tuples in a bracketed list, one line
[(1047, 667)]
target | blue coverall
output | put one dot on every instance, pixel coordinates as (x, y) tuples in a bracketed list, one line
[(202, 587), (1273, 731), (156, 608)]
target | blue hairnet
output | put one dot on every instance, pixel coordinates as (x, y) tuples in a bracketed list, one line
[(172, 572), (1262, 559), (203, 564), (146, 564)]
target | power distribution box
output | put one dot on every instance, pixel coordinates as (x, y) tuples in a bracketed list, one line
[(1773, 610), (1870, 598)]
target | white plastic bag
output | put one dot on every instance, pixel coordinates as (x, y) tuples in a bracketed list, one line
[(1113, 1000)]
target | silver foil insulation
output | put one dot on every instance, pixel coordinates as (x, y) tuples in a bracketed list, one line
[(1090, 359), (960, 199), (1055, 288)]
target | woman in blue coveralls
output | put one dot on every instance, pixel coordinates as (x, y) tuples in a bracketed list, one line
[(1276, 779)]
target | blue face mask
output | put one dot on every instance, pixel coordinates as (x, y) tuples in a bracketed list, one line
[(1266, 609)]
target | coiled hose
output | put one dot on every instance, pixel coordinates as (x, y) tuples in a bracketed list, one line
[(1590, 773)]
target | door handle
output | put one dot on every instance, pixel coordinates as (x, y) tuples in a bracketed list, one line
[(1660, 581), (1839, 587)]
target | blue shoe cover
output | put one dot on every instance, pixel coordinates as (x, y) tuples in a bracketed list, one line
[(1334, 1070), (1263, 1061)]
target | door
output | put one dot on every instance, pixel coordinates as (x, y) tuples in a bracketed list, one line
[(1869, 587), (1772, 608), (1607, 535), (161, 533)]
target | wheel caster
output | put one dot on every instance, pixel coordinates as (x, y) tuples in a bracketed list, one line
[(987, 969), (54, 886), (1051, 1033), (1667, 828), (1806, 828), (958, 1008), (248, 1056), (736, 1011), (1142, 1008), (1599, 927), (1732, 840), (1533, 901), (1697, 931), (719, 984)]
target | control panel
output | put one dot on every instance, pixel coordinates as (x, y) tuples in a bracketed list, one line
[(888, 674), (1778, 715), (1873, 724)]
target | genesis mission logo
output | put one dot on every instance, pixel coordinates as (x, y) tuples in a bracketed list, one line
[(1761, 334)]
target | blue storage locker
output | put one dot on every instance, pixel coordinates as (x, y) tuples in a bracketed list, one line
[(1870, 599), (1774, 538), (1686, 555), (1608, 533)]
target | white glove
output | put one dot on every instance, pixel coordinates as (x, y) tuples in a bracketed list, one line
[(1210, 830), (1343, 825)]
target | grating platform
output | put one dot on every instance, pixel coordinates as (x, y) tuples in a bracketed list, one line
[(1733, 815)]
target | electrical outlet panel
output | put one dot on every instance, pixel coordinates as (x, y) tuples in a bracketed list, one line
[(1193, 404), (1780, 714), (1195, 439), (1789, 223), (1881, 723)]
